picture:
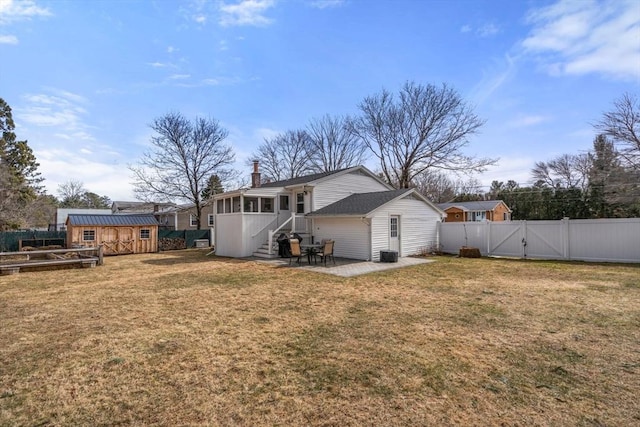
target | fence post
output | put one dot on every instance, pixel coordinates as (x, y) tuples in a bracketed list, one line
[(100, 254), (488, 233), (566, 253), (523, 226)]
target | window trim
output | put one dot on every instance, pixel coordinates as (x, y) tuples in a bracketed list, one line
[(86, 233), (146, 231), (211, 220), (193, 219)]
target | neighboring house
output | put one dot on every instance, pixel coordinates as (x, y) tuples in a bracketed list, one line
[(187, 219), (119, 234), (63, 213), (484, 210), (165, 213), (352, 206)]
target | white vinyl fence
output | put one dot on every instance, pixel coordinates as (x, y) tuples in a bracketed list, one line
[(612, 240)]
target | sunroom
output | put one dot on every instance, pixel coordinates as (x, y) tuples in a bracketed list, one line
[(248, 218)]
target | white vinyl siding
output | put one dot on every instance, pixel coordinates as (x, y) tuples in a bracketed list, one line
[(350, 234), (418, 227), (341, 186), (239, 235)]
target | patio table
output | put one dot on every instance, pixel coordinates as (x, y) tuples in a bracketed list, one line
[(311, 249)]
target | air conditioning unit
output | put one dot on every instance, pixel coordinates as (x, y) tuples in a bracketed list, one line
[(388, 256), (201, 243)]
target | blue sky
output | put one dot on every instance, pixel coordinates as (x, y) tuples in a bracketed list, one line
[(85, 78)]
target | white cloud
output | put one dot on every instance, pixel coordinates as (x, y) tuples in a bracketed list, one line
[(527, 120), (8, 39), (324, 4), (465, 29), (106, 179), (517, 169), (11, 11), (488, 30), (179, 76), (162, 65), (246, 12), (171, 49), (582, 37), (494, 79)]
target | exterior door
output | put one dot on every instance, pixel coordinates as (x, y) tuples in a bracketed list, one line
[(394, 233), (110, 240), (284, 209), (125, 240)]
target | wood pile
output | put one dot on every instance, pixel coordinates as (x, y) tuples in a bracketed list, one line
[(170, 244), (466, 252)]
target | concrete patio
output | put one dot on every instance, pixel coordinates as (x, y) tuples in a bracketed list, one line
[(345, 267)]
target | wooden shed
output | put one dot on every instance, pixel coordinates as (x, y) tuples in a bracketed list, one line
[(119, 234)]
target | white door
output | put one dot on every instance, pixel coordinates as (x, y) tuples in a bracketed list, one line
[(284, 210), (394, 233)]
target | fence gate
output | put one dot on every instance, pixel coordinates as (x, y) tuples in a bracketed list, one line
[(608, 239)]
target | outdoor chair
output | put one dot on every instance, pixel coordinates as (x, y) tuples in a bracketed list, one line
[(296, 252), (327, 252)]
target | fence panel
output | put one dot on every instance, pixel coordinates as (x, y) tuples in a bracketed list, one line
[(611, 239), (9, 240), (614, 240), (190, 236)]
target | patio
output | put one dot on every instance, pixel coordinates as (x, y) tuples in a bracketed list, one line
[(345, 267)]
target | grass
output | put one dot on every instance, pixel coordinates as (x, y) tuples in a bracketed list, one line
[(180, 338)]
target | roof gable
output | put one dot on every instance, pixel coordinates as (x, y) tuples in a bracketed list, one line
[(362, 204), (319, 177), (111, 220)]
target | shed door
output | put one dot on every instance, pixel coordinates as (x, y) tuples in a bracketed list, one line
[(110, 240), (394, 233), (125, 240)]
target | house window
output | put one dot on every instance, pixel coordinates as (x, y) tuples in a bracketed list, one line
[(145, 233), (236, 204), (505, 216), (266, 204), (393, 226), (220, 206), (251, 204), (193, 220), (88, 235), (284, 203), (227, 205), (300, 203), (210, 220)]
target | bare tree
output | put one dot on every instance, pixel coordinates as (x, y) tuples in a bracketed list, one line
[(284, 156), (623, 126), (427, 127), (184, 155), (71, 193), (566, 171), (332, 145), (435, 186)]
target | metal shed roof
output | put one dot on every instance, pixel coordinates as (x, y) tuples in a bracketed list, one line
[(111, 220)]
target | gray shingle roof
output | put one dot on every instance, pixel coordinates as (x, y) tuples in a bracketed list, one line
[(482, 205), (359, 204), (300, 179), (115, 220)]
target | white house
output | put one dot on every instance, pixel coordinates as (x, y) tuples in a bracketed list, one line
[(352, 206)]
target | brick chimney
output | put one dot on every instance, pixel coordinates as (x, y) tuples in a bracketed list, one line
[(255, 176)]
